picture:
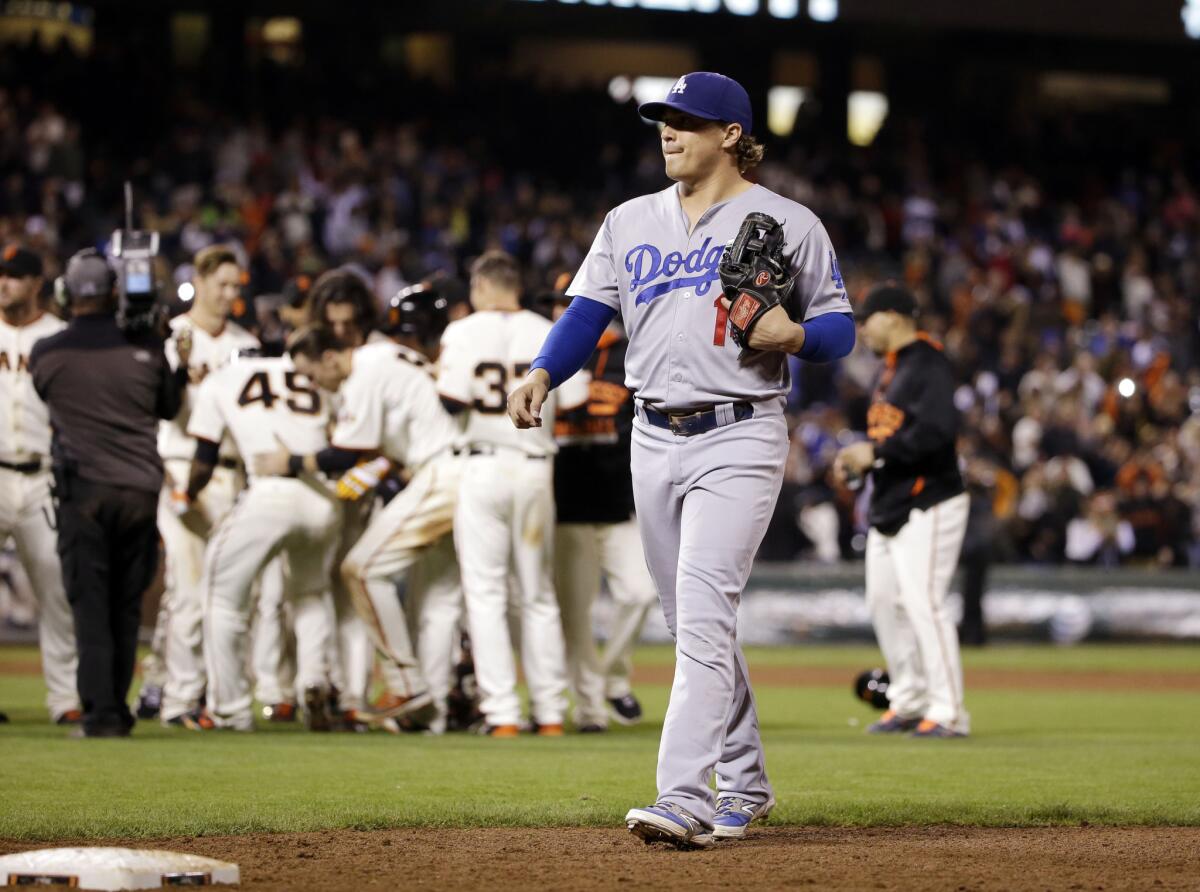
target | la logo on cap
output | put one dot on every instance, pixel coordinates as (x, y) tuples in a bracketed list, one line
[(680, 85)]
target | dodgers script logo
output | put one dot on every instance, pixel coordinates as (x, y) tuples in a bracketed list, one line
[(646, 264)]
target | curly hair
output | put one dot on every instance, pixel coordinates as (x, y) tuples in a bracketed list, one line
[(749, 152)]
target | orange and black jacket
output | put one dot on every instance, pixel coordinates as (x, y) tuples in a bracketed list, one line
[(913, 424)]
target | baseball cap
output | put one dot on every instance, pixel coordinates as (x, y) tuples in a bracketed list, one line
[(707, 95), (19, 263), (888, 297)]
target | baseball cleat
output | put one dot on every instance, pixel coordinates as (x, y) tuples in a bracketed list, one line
[(351, 720), (503, 731), (551, 730), (316, 709), (592, 728), (625, 710), (280, 712), (70, 717), (929, 728), (734, 814), (391, 706), (890, 723), (196, 720), (667, 822), (149, 702)]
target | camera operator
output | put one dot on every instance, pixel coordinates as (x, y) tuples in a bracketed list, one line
[(107, 386)]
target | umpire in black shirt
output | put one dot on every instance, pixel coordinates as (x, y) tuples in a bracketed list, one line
[(106, 390)]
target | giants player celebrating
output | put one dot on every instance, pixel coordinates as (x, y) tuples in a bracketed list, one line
[(185, 527), (262, 403), (709, 436), (26, 510), (389, 406), (506, 507), (918, 518)]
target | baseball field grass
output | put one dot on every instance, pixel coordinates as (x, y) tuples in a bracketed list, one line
[(1083, 735)]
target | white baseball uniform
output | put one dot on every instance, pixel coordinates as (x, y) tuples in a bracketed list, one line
[(26, 509), (390, 404), (597, 536), (181, 611), (262, 403), (506, 510)]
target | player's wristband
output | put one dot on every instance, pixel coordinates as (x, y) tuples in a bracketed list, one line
[(295, 465)]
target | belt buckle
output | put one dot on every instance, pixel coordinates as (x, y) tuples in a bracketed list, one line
[(681, 424)]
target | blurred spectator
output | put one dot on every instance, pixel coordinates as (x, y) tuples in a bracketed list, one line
[(1100, 536), (1066, 290)]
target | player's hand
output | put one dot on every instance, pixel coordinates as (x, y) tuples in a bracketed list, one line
[(189, 513), (774, 331), (271, 464), (183, 344), (525, 403), (855, 460)]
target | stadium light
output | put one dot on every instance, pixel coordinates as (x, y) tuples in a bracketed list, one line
[(823, 10), (779, 9), (1191, 18), (782, 105), (867, 110)]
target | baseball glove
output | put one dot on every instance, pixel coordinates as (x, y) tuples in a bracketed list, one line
[(754, 275)]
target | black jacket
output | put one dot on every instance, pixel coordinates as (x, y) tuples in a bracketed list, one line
[(106, 391), (914, 425)]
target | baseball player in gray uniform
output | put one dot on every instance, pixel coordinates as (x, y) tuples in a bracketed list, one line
[(709, 438)]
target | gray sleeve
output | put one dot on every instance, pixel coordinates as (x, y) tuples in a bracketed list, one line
[(819, 286), (597, 277)]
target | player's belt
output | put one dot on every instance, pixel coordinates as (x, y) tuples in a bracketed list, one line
[(701, 421), (498, 450), (22, 467)]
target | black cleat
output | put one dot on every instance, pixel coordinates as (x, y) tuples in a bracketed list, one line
[(625, 710), (149, 702), (316, 709)]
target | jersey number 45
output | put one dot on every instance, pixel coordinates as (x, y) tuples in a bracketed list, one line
[(303, 397)]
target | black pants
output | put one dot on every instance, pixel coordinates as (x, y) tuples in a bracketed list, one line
[(108, 545), (975, 566)]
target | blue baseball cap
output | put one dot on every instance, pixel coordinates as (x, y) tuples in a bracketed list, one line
[(707, 95)]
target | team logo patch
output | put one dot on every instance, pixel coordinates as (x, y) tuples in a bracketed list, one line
[(762, 278), (743, 309)]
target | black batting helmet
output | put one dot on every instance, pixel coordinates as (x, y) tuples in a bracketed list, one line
[(420, 311), (871, 686)]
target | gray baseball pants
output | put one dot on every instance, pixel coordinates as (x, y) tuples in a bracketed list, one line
[(704, 503)]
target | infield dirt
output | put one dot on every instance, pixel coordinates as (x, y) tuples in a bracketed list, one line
[(953, 858)]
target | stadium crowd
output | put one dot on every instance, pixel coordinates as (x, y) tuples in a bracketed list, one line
[(1067, 294)]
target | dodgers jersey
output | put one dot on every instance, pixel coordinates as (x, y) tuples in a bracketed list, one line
[(484, 358), (209, 353), (663, 280), (24, 418), (391, 404), (261, 403)]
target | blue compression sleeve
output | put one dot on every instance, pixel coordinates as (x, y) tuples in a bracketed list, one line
[(827, 337), (573, 338)]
